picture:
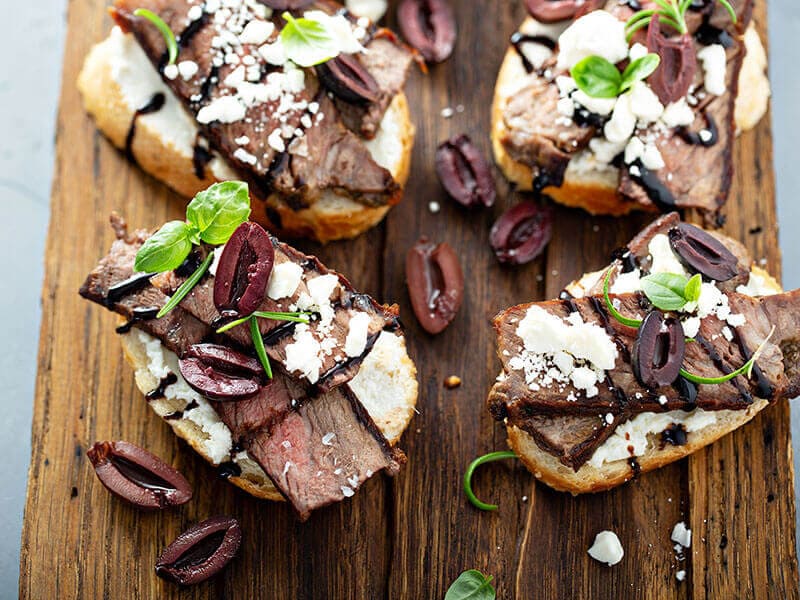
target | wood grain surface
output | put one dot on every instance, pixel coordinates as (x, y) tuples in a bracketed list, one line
[(407, 537)]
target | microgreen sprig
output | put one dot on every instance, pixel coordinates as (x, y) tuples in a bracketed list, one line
[(745, 369), (211, 218), (169, 36), (635, 323), (492, 456), (670, 12)]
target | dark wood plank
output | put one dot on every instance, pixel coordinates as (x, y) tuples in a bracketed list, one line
[(411, 536)]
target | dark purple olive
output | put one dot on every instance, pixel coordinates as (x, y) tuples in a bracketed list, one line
[(429, 26), (658, 351), (240, 284), (550, 11), (347, 78), (287, 4), (465, 173), (521, 233), (221, 373), (200, 552), (435, 284), (702, 253), (675, 73), (137, 476)]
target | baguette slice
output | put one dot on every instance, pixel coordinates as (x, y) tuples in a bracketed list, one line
[(117, 79), (702, 427), (588, 184)]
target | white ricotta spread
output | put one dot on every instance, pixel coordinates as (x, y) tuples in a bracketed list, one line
[(662, 256), (607, 548), (756, 286)]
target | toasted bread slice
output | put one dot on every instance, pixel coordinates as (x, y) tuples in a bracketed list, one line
[(386, 385), (117, 79), (591, 185)]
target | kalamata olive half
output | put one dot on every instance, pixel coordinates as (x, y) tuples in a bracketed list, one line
[(240, 284), (429, 26), (201, 551), (550, 11), (521, 233), (674, 75), (658, 351), (435, 284), (347, 78), (221, 373), (702, 253), (464, 172)]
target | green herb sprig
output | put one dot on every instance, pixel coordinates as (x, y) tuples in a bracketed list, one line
[(492, 456), (635, 323), (471, 585), (169, 36), (670, 12), (255, 332), (599, 78), (211, 217), (306, 41), (745, 369)]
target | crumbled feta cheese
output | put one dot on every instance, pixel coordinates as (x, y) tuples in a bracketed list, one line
[(327, 439), (600, 106), (607, 548), (347, 491), (171, 71), (275, 141), (715, 67), (256, 32), (274, 53), (284, 279), (597, 33), (622, 123), (645, 105), (682, 535), (680, 575), (356, 341), (691, 326), (187, 69), (637, 51), (303, 354), (678, 114), (244, 156), (756, 286), (225, 109)]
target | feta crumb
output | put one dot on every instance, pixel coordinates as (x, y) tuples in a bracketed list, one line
[(447, 112), (680, 575), (607, 548), (327, 439), (682, 534), (347, 491), (275, 141), (434, 206), (715, 67)]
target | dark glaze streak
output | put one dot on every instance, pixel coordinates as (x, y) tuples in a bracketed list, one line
[(619, 394), (658, 193), (707, 34), (153, 105), (636, 469), (763, 387), (686, 389), (178, 414), (693, 137), (201, 156), (141, 313), (518, 39), (674, 435), (350, 362), (720, 364), (273, 336), (229, 469), (128, 286), (162, 386), (191, 30), (626, 257)]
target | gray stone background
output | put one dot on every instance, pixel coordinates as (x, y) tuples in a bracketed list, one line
[(29, 86)]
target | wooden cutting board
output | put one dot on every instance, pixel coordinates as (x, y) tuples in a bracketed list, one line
[(410, 536)]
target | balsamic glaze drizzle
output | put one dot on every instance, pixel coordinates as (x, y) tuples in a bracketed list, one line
[(165, 382), (140, 313), (518, 39), (155, 104), (658, 193), (119, 290), (694, 138)]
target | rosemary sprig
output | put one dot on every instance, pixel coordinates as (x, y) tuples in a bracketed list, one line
[(670, 12), (492, 456), (296, 317), (745, 369), (258, 343), (635, 323), (169, 36)]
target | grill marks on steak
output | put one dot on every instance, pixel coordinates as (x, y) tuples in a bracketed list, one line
[(285, 410), (337, 368), (299, 171), (694, 175), (572, 430)]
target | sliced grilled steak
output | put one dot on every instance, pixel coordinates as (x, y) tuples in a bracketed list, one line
[(285, 421), (276, 134)]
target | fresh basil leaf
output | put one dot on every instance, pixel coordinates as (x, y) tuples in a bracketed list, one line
[(219, 210), (665, 290), (693, 288), (639, 70), (307, 42), (471, 585), (169, 36), (597, 77), (165, 250)]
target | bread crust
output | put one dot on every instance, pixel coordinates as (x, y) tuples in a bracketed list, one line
[(596, 193), (332, 217), (253, 479)]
